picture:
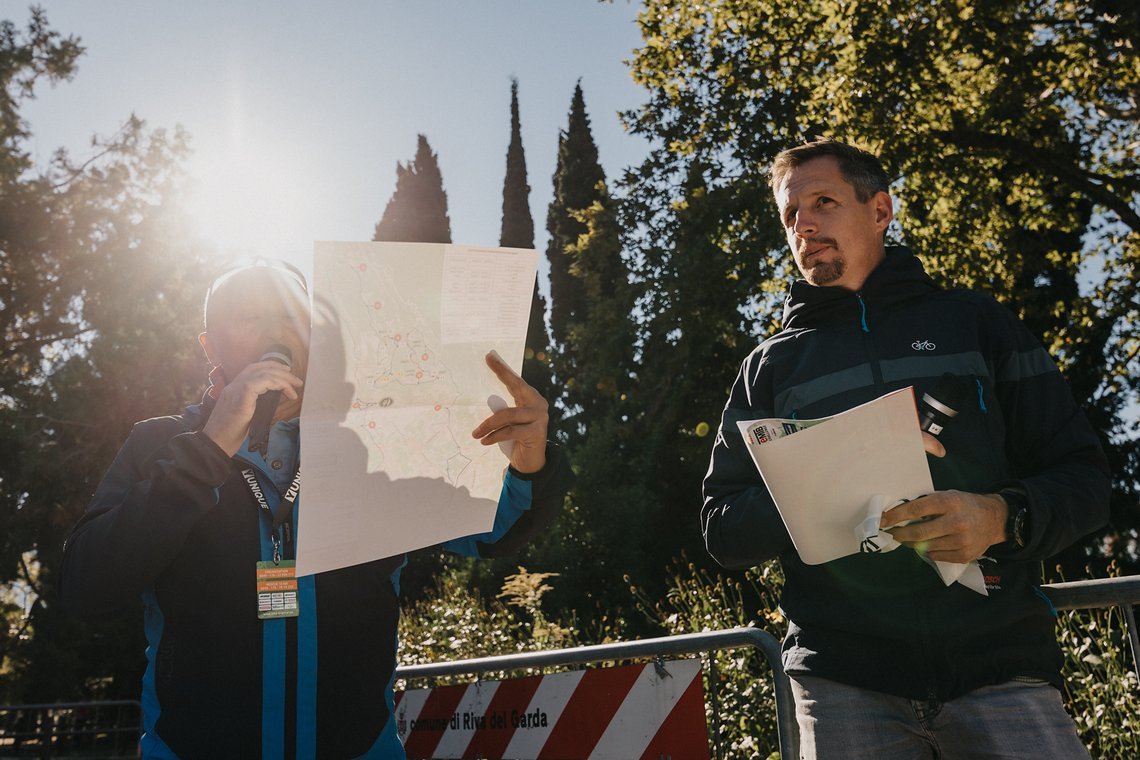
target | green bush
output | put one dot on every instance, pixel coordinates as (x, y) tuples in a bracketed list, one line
[(740, 702), (457, 623), (1100, 676)]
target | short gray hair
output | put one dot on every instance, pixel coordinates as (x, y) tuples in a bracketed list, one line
[(862, 170)]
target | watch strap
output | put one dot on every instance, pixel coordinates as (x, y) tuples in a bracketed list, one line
[(1017, 520)]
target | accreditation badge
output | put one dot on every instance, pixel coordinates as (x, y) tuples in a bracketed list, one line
[(277, 590)]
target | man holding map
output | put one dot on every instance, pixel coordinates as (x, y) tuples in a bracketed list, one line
[(200, 521), (886, 660)]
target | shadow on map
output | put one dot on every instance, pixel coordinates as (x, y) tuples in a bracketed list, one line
[(371, 505)]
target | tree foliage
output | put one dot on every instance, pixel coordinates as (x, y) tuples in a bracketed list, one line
[(100, 286), (1011, 128), (595, 372), (417, 210), (36, 303), (693, 333), (607, 503), (518, 225), (577, 175)]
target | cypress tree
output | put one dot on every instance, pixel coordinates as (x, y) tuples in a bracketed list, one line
[(518, 232), (417, 211), (592, 318), (609, 500), (518, 225), (602, 337), (578, 183)]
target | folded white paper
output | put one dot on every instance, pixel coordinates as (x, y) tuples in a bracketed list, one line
[(833, 478), (873, 539)]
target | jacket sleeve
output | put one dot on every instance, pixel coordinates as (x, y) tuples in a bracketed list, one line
[(528, 505), (739, 519), (1054, 451), (159, 485)]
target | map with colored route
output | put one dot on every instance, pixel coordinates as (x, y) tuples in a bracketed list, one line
[(397, 380)]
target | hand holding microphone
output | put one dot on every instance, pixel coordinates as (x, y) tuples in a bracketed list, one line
[(248, 402), (267, 402)]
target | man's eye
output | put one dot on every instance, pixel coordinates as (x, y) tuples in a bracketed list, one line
[(825, 200)]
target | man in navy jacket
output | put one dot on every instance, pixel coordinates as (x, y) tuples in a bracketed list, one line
[(885, 660), (188, 511)]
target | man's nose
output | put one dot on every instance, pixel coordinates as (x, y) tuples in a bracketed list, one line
[(278, 326), (804, 225)]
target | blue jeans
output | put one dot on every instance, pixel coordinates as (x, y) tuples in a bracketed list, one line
[(1023, 718)]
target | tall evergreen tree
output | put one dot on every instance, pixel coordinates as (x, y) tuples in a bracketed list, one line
[(601, 339), (518, 224), (578, 183), (592, 305), (417, 211), (609, 500), (518, 232), (690, 292)]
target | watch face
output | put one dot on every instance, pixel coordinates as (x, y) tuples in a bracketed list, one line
[(1019, 527)]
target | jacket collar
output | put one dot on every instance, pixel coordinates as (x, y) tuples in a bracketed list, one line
[(900, 277), (196, 415)]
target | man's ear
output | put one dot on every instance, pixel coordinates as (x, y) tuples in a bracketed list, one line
[(884, 210)]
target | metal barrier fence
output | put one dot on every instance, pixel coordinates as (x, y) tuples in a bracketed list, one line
[(109, 729), (665, 646), (1097, 594), (1092, 594), (112, 728)]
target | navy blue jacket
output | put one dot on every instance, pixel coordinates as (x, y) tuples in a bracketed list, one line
[(175, 523), (885, 621)]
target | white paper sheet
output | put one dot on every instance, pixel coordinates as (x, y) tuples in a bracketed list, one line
[(831, 479), (396, 383)]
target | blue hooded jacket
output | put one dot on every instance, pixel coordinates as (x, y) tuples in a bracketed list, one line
[(175, 523)]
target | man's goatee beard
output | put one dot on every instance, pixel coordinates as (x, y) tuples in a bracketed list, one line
[(827, 272)]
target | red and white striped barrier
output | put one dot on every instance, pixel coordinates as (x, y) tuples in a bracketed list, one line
[(623, 713)]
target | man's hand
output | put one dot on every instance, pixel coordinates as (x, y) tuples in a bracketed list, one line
[(524, 424), (949, 526), (932, 445), (229, 421)]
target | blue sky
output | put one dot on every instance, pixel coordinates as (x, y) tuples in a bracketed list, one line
[(298, 111)]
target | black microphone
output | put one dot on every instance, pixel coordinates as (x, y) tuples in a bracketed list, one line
[(942, 404), (267, 402)]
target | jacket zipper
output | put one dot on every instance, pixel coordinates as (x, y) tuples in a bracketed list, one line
[(922, 619), (869, 345)]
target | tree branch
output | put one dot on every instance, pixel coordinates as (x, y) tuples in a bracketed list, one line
[(22, 346), (1027, 153)]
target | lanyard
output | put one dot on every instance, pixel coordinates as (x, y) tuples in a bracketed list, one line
[(283, 510)]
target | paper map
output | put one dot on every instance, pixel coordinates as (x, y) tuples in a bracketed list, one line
[(396, 382)]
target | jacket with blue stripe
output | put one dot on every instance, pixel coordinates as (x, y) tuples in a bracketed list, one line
[(175, 523), (886, 621)]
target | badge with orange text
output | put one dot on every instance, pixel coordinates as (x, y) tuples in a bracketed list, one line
[(276, 590)]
